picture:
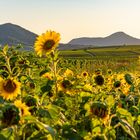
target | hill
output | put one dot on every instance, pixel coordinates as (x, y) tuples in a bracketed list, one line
[(12, 34), (118, 38)]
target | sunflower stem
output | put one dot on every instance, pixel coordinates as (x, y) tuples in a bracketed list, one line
[(7, 59), (54, 65)]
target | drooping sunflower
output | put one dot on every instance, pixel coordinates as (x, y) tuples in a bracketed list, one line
[(10, 115), (66, 86), (99, 109), (46, 42), (23, 108), (31, 102), (9, 88)]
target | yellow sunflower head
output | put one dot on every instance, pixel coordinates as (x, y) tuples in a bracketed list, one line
[(23, 108), (84, 74), (68, 73), (47, 75), (9, 88), (109, 71), (46, 42)]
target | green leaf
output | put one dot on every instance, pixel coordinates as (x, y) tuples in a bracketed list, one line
[(124, 114), (138, 119), (128, 79), (40, 125), (7, 134), (110, 101), (44, 113), (128, 128), (5, 49), (37, 135), (96, 130)]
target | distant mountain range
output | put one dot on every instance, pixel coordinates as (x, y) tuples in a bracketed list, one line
[(12, 34), (118, 38)]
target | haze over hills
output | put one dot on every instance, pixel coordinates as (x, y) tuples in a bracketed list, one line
[(12, 34)]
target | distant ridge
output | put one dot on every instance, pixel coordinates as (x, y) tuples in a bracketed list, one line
[(118, 38), (12, 34)]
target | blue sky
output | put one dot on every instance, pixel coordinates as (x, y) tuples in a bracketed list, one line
[(74, 18)]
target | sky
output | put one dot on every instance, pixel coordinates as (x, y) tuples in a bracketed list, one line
[(74, 18)]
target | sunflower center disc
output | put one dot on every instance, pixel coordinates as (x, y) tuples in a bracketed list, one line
[(49, 44), (10, 86), (85, 74)]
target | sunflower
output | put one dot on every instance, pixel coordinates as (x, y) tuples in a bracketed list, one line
[(47, 75), (46, 42), (32, 103), (66, 86), (99, 109), (117, 84), (68, 73), (10, 115), (9, 88), (99, 80), (98, 72), (109, 71), (23, 108), (84, 74)]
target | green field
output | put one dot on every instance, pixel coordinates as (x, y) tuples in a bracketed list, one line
[(118, 51)]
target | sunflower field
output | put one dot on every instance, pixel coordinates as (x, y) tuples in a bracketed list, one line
[(46, 97)]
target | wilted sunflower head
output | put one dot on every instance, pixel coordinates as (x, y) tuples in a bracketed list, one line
[(31, 101), (99, 109), (46, 42), (65, 84), (99, 80), (10, 115), (9, 88)]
